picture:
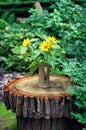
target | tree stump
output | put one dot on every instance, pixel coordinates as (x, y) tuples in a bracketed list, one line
[(37, 108)]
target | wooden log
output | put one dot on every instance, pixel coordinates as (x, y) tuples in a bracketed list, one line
[(52, 107), (40, 109), (33, 104), (21, 123), (57, 114), (61, 110), (31, 107), (29, 124), (62, 124), (53, 125), (67, 108), (45, 124), (42, 124), (11, 101), (19, 105), (47, 108), (15, 102), (6, 99), (38, 6), (25, 107), (36, 124)]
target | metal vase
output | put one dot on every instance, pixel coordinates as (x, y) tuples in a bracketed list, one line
[(44, 76)]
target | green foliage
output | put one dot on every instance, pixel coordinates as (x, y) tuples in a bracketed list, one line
[(38, 51), (3, 24), (78, 74), (66, 22), (10, 37), (16, 8), (6, 15), (71, 27), (11, 1), (7, 118)]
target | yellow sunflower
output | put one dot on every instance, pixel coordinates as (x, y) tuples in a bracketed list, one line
[(52, 46), (26, 42), (51, 40), (44, 46)]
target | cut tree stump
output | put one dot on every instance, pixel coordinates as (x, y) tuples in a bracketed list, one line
[(37, 108)]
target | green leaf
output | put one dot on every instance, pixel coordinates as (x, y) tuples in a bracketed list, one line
[(19, 50), (35, 54), (2, 58), (33, 39), (33, 67), (41, 35)]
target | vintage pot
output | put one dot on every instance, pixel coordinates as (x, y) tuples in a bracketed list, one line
[(44, 76)]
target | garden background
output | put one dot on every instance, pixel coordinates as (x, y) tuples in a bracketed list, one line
[(64, 19)]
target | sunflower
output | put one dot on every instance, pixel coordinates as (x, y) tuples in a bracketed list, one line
[(44, 46), (52, 46), (51, 40), (26, 42)]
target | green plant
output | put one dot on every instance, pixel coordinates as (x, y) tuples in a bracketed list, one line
[(3, 24), (78, 74), (39, 52), (11, 36), (7, 118), (66, 22), (74, 36)]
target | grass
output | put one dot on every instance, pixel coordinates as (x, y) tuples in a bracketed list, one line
[(7, 118)]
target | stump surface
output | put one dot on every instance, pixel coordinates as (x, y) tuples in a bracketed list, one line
[(28, 86)]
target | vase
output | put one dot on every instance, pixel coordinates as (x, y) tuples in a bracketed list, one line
[(44, 76)]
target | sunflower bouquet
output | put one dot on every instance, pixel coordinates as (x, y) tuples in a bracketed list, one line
[(35, 51)]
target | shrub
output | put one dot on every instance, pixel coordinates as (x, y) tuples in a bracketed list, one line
[(66, 22), (78, 74)]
